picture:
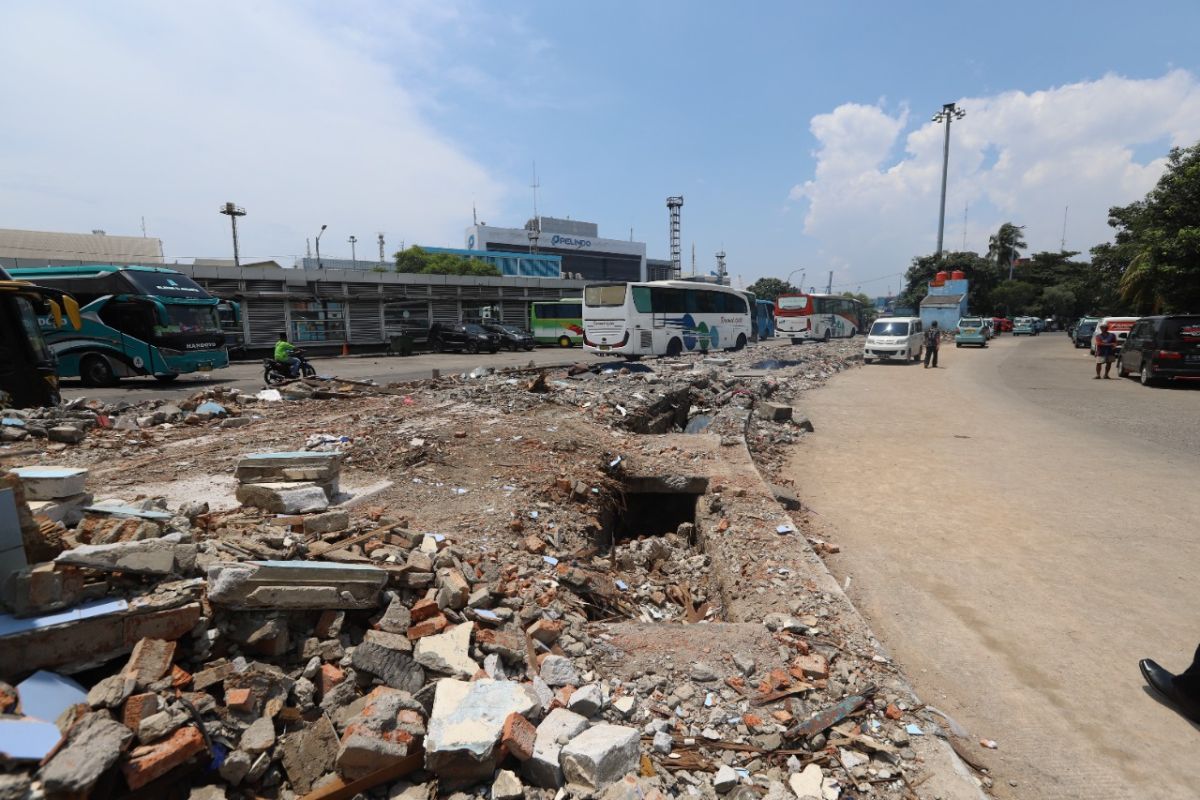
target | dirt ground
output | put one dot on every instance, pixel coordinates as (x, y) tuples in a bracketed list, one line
[(1017, 559)]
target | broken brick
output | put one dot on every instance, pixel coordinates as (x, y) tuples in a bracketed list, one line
[(138, 707), (546, 631), (153, 761), (150, 660), (239, 699), (425, 608), (812, 666), (518, 736), (428, 628), (330, 676)]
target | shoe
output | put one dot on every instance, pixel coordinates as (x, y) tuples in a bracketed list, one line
[(1163, 683), (1096, 378)]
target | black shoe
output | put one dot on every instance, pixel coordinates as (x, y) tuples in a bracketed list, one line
[(1163, 683)]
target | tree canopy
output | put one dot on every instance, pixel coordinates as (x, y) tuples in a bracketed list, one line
[(771, 288), (414, 260)]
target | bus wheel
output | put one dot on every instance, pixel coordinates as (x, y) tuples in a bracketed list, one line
[(564, 341), (741, 342), (96, 371), (674, 347), (825, 338), (165, 378)]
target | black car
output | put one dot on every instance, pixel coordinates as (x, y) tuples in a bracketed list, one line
[(511, 337), (1081, 335), (462, 336), (1163, 347)]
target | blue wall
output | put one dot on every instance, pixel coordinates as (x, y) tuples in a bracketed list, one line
[(526, 265), (946, 318)]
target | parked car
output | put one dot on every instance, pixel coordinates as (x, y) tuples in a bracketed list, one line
[(511, 337), (1118, 325), (1001, 325), (1023, 326), (988, 330), (461, 337), (894, 337), (971, 330), (1162, 348), (1083, 330)]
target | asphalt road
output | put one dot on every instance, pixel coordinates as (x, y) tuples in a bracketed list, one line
[(1020, 534), (247, 376)]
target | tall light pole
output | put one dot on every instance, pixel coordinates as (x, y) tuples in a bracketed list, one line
[(319, 264), (353, 240), (233, 212), (948, 114), (802, 271)]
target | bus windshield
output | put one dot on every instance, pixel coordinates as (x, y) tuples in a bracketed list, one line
[(794, 302), (605, 295), (166, 285), (190, 319)]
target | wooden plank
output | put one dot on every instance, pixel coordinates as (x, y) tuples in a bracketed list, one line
[(350, 542), (339, 789)]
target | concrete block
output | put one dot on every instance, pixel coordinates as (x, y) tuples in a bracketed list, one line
[(453, 590), (507, 786), (94, 745), (67, 510), (328, 522), (774, 412), (559, 671), (283, 498), (322, 469), (462, 746), (543, 769), (382, 734), (295, 585), (587, 700), (66, 434), (164, 556), (395, 668), (600, 755), (51, 483), (309, 753), (448, 653)]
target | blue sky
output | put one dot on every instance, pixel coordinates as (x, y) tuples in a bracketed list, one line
[(798, 133)]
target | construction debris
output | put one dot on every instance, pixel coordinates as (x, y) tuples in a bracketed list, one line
[(526, 591)]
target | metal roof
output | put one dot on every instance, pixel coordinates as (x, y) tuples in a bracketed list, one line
[(936, 300), (51, 246)]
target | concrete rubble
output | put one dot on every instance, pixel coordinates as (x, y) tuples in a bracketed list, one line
[(557, 584)]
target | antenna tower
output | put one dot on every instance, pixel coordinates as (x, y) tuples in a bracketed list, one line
[(1064, 236), (382, 260), (673, 206), (722, 279)]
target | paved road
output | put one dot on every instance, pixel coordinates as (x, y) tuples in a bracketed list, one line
[(384, 369), (1020, 535)]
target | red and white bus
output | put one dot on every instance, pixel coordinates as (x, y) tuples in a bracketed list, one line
[(817, 316)]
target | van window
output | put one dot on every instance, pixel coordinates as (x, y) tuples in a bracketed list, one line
[(889, 328), (1185, 330)]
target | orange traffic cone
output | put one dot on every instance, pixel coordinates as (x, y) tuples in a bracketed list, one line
[(345, 348)]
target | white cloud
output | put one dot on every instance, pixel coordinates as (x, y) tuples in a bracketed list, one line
[(119, 110), (1017, 156)]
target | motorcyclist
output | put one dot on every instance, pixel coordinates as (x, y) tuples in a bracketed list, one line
[(283, 355)]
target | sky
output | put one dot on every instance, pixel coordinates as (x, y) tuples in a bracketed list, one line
[(798, 133)]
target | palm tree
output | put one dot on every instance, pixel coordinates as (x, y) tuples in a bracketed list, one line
[(1006, 244)]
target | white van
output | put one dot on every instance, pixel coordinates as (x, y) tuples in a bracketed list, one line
[(894, 337), (1118, 325)]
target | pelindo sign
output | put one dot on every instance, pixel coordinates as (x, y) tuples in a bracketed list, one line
[(569, 241)]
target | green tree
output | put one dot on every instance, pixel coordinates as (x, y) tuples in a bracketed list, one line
[(771, 288), (981, 273), (1014, 298), (1058, 301), (1158, 238), (414, 260), (1005, 245)]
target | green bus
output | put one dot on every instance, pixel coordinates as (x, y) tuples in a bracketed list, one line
[(28, 377), (557, 322), (136, 321)]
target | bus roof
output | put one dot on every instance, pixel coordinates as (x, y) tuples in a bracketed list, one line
[(89, 269)]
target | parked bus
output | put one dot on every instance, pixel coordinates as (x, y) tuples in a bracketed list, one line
[(817, 316), (136, 321), (765, 319), (557, 322), (663, 318), (28, 377)]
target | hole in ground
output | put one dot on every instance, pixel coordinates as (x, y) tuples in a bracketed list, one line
[(654, 514)]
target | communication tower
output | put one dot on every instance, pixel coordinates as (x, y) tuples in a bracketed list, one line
[(673, 206)]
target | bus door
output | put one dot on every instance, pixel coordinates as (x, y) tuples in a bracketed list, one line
[(134, 318)]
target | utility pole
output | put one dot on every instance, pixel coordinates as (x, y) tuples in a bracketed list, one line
[(233, 212), (381, 248), (353, 240), (829, 287), (948, 114), (319, 233), (1063, 245)]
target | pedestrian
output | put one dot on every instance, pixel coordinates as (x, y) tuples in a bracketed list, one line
[(1106, 348), (933, 340), (1181, 691)]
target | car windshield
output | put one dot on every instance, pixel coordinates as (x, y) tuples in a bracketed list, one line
[(883, 328), (1086, 327), (474, 329), (969, 323)]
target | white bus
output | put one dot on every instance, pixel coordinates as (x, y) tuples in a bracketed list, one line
[(663, 318)]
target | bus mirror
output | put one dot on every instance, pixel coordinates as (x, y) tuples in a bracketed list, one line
[(72, 308), (55, 312)]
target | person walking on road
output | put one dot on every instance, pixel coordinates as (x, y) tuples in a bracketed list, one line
[(1106, 349), (933, 340), (1182, 691)]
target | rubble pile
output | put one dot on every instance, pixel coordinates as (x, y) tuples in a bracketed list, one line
[(541, 598)]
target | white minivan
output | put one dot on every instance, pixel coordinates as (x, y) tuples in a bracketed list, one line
[(894, 337)]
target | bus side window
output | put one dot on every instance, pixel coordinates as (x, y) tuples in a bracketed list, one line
[(641, 299), (132, 319)]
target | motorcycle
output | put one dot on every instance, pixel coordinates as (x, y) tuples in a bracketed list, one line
[(275, 373)]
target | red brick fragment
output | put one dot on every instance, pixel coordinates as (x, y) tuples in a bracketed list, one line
[(546, 631), (518, 736), (138, 707), (330, 676), (423, 609), (428, 627), (239, 699), (153, 761)]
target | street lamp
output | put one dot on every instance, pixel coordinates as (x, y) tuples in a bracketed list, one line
[(948, 114), (802, 271), (353, 240), (319, 264), (233, 212)]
